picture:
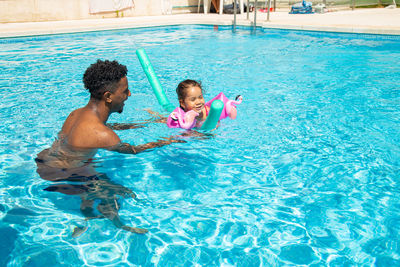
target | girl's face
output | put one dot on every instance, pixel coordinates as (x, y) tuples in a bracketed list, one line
[(193, 100)]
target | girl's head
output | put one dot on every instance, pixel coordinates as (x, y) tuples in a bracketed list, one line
[(190, 95)]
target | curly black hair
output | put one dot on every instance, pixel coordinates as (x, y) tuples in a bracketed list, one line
[(103, 76)]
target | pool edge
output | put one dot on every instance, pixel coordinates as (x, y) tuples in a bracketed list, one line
[(281, 21)]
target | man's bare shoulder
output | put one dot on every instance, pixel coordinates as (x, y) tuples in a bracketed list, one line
[(71, 120), (88, 131)]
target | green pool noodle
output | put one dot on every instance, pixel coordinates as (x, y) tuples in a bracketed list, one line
[(213, 116), (153, 80)]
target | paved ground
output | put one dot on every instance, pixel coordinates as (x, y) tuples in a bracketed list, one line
[(375, 21)]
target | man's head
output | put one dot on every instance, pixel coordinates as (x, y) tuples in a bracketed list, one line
[(107, 80), (103, 76)]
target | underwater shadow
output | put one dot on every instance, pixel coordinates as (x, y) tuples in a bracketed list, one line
[(95, 189)]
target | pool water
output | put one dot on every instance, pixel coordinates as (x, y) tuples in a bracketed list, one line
[(308, 174)]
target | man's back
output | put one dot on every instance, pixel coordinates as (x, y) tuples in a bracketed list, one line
[(80, 137), (84, 129)]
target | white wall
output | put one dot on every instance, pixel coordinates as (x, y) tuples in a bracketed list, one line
[(47, 10)]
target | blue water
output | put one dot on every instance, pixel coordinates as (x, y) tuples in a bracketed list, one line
[(308, 174)]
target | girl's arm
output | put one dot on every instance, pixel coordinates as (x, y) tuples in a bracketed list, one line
[(156, 117), (203, 115)]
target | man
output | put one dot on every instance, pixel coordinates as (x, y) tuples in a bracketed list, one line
[(83, 133)]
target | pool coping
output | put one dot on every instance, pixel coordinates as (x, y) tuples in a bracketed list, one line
[(366, 21)]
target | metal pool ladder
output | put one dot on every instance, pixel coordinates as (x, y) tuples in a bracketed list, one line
[(255, 14)]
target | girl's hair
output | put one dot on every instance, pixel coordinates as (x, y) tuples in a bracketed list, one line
[(186, 84)]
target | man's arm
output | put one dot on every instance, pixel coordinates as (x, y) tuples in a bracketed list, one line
[(126, 148), (126, 126), (156, 118)]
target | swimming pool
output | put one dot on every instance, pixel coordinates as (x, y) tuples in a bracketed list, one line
[(308, 174)]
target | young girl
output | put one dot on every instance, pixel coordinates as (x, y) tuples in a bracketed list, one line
[(191, 101), (193, 109)]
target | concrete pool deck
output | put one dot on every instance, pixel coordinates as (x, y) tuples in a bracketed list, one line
[(372, 21)]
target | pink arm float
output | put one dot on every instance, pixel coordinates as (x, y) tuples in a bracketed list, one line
[(229, 106), (181, 119)]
